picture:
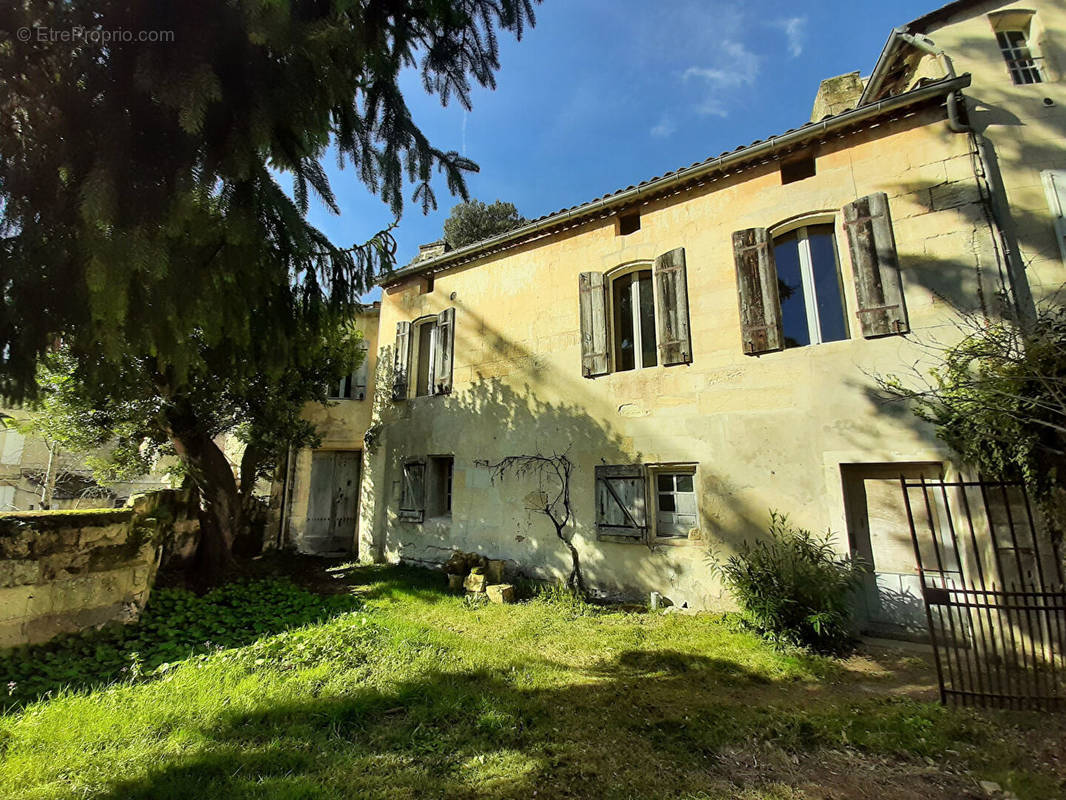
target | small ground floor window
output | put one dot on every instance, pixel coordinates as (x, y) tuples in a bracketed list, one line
[(625, 492)]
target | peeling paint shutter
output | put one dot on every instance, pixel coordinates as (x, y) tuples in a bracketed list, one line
[(403, 359), (442, 370), (878, 285), (671, 287), (760, 304), (320, 503), (1055, 188), (621, 507), (593, 324), (413, 492)]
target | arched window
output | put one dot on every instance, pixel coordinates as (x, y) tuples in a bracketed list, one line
[(633, 320), (809, 286)]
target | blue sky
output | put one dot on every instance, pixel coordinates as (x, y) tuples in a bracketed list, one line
[(602, 94)]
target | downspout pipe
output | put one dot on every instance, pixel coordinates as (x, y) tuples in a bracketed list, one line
[(926, 45), (998, 207)]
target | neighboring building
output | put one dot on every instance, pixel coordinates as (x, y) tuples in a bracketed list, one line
[(702, 345), (319, 500), (25, 464)]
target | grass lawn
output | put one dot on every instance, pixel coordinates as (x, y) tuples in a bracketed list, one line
[(404, 691)]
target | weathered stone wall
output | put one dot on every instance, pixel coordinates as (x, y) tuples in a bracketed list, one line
[(65, 571)]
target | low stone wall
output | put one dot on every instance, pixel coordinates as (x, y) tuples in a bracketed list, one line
[(65, 571)]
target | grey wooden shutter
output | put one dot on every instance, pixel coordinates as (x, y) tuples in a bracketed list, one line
[(671, 288), (413, 492), (878, 285), (443, 354), (403, 359), (593, 324), (621, 505), (760, 304), (320, 503)]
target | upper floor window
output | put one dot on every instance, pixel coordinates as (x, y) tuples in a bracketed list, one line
[(353, 386), (425, 346), (809, 286), (425, 349), (1023, 65), (636, 318), (790, 287), (633, 318)]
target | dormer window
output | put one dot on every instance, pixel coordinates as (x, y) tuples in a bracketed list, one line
[(1019, 56), (1019, 34)]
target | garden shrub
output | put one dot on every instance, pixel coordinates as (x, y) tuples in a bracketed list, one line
[(793, 587)]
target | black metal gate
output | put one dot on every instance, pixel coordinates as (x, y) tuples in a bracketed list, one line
[(994, 596)]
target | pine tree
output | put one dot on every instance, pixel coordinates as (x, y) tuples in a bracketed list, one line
[(144, 223), (139, 180), (473, 221)]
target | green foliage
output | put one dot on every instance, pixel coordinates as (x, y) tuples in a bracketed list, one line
[(473, 221), (414, 696), (563, 599), (998, 396), (143, 184), (793, 587), (175, 626)]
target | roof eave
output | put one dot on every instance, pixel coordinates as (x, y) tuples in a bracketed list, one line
[(626, 197)]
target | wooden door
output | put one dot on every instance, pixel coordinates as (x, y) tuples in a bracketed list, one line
[(333, 502), (891, 600)]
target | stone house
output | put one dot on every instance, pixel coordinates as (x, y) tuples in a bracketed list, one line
[(702, 345), (27, 460)]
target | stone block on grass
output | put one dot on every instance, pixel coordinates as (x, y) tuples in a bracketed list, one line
[(500, 593)]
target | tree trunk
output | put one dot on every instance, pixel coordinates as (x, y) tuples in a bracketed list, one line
[(223, 505)]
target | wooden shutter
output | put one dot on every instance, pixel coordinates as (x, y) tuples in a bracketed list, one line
[(413, 492), (318, 528), (671, 289), (1055, 189), (443, 353), (760, 304), (621, 505), (593, 324), (403, 360), (875, 264)]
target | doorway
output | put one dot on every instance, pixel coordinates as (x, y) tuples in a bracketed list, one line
[(333, 502), (891, 602)]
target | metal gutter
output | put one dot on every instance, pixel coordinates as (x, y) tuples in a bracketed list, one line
[(652, 187)]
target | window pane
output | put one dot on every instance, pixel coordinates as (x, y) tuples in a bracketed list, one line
[(665, 483), (790, 289), (686, 503), (828, 291), (666, 502), (684, 483), (625, 352), (648, 350), (425, 358)]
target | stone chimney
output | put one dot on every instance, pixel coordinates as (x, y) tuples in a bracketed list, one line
[(836, 95), (431, 250)]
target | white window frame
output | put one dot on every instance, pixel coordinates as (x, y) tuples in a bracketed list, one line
[(653, 472), (634, 287), (1054, 181), (810, 299), (416, 356)]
